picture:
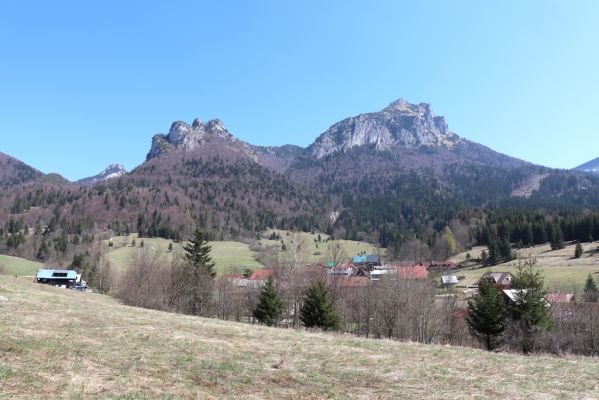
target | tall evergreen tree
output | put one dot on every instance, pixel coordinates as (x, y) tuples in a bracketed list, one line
[(557, 240), (197, 254), (270, 306), (590, 293), (318, 310), (487, 315), (529, 310)]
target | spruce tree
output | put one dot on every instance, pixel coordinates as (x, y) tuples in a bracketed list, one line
[(590, 293), (487, 315), (557, 240), (197, 254), (318, 310), (529, 310), (578, 250), (270, 306)]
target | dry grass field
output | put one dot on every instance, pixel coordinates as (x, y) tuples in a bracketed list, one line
[(56, 343), (560, 269)]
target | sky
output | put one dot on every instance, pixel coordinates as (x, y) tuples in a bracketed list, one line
[(84, 84)]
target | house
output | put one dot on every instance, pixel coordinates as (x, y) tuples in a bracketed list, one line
[(376, 274), (261, 274), (503, 280), (449, 280), (414, 272), (342, 269), (441, 265), (57, 277), (367, 262)]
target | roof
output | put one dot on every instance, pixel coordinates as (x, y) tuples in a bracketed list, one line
[(498, 277), (449, 279), (442, 264), (559, 297), (232, 276), (416, 272), (63, 274), (261, 274), (367, 259)]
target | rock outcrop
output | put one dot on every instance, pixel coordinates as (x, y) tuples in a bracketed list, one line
[(183, 136), (399, 124), (111, 172)]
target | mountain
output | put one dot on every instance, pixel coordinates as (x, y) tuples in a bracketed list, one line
[(399, 124), (111, 172), (14, 172), (591, 166), (402, 138), (185, 137), (399, 170)]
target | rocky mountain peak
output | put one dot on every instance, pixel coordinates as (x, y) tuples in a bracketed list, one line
[(399, 124), (182, 136), (110, 172)]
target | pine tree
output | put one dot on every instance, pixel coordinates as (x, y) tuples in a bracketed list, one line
[(170, 246), (557, 241), (318, 310), (487, 315), (493, 254), (529, 310), (197, 254), (43, 252), (270, 306), (590, 293), (578, 250)]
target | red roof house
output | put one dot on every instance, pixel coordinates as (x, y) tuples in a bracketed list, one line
[(261, 274)]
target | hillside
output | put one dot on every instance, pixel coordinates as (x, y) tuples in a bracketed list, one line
[(561, 270), (14, 172), (234, 256), (591, 166), (94, 347)]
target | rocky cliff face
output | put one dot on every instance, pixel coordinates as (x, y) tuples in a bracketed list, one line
[(111, 172), (183, 136), (400, 124)]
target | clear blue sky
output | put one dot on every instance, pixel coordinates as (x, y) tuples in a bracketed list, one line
[(87, 83)]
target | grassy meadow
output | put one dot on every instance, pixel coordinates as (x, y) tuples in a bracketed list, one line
[(233, 256), (560, 269), (316, 251), (18, 266), (228, 256), (57, 343)]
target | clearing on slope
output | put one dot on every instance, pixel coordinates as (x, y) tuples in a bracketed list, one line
[(561, 270)]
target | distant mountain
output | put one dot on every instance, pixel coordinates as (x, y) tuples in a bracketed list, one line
[(185, 137), (111, 172), (399, 124), (591, 166), (15, 172), (398, 171)]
